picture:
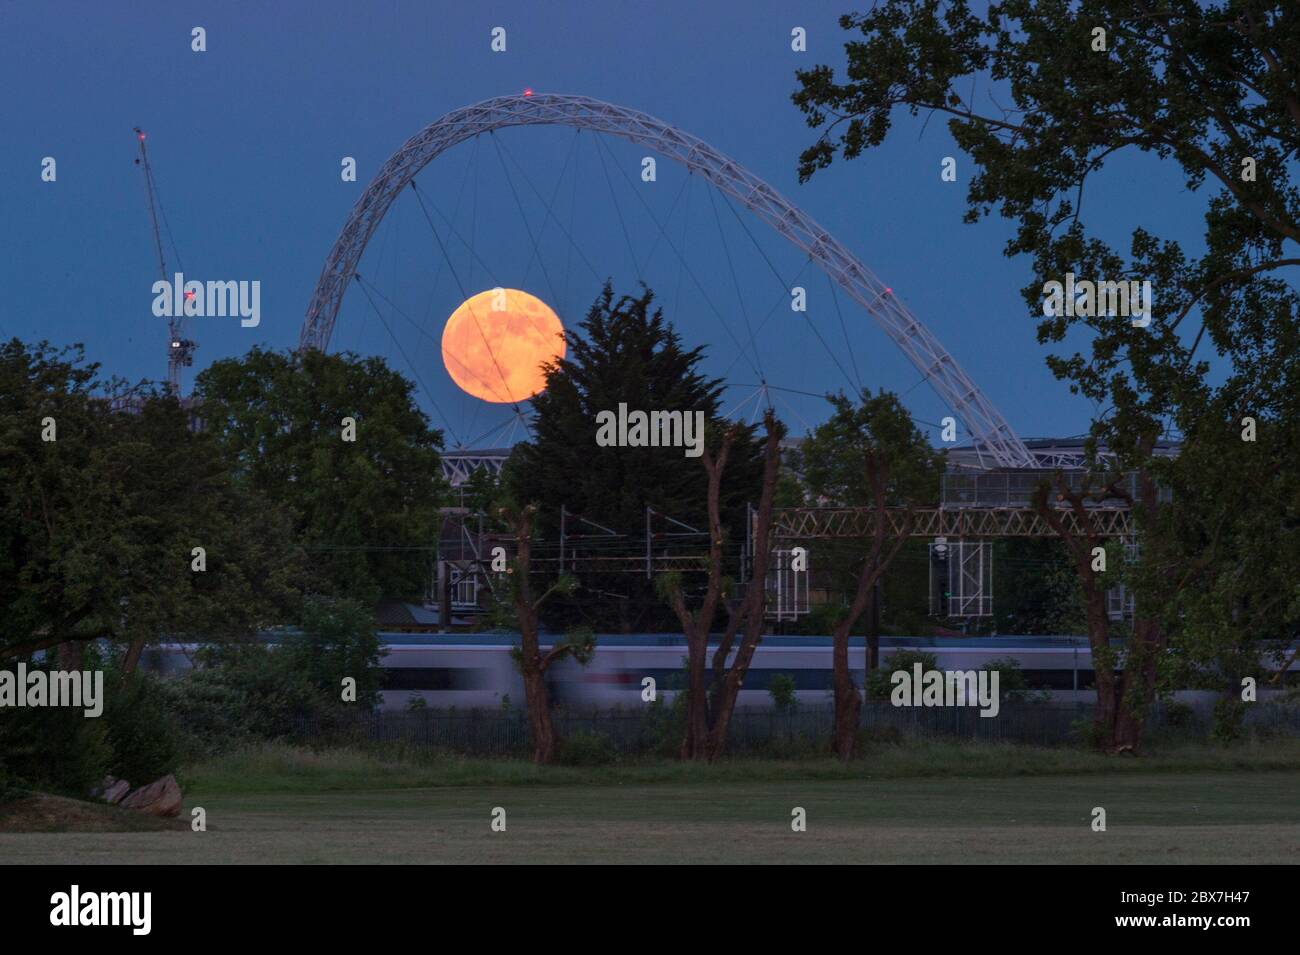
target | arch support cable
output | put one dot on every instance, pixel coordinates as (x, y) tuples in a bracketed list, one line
[(986, 424)]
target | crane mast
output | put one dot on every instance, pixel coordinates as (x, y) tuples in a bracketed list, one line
[(180, 350)]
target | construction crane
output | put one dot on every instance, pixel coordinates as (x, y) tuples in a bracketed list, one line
[(180, 350)]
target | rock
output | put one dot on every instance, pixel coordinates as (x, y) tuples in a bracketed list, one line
[(159, 798), (114, 793), (105, 785)]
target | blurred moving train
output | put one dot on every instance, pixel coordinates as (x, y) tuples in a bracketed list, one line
[(475, 670)]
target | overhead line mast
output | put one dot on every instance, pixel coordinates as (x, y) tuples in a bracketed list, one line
[(180, 349)]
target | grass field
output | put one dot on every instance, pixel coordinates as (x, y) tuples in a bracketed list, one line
[(990, 804)]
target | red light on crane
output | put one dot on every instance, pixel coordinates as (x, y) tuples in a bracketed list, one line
[(528, 91)]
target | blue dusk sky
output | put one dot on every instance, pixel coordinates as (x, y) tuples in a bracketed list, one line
[(246, 141)]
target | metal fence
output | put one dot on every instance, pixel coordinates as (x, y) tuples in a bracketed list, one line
[(768, 731)]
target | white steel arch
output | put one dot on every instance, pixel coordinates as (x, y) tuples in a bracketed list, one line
[(987, 427)]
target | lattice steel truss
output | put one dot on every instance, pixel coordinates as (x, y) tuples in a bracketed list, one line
[(458, 465), (810, 523), (987, 427)]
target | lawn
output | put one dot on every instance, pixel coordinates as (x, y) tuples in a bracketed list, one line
[(280, 805)]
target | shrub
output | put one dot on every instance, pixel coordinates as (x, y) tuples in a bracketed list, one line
[(337, 640), (1089, 733), (1178, 715), (878, 682), (247, 691), (1013, 685), (54, 748), (210, 714), (1229, 714), (782, 691), (665, 724), (140, 730)]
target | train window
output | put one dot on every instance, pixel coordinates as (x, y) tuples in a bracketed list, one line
[(417, 678)]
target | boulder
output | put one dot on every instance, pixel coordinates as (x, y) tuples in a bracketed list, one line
[(159, 798), (115, 792)]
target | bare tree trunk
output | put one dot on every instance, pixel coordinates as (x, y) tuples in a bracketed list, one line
[(132, 658), (873, 629), (848, 702), (71, 655), (1081, 546), (696, 626), (728, 680), (1139, 685), (537, 699), (532, 666), (1148, 642), (540, 724), (1103, 665), (695, 741)]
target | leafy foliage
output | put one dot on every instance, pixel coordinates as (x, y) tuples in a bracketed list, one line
[(1210, 90), (365, 511), (879, 685), (141, 734), (626, 351), (1013, 685), (877, 426), (782, 690), (97, 527), (337, 639)]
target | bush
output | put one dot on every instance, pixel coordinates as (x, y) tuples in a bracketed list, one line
[(245, 691), (665, 724), (782, 691), (587, 749), (1089, 733), (62, 750), (878, 682), (1013, 685), (337, 640), (55, 748), (1229, 715), (1178, 715), (210, 715), (140, 731)]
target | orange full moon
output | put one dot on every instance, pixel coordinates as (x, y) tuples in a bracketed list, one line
[(495, 342)]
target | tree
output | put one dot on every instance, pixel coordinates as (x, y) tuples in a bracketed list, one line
[(626, 352), (1211, 87), (336, 640), (867, 454), (697, 624), (99, 524), (1083, 545), (1038, 589), (1239, 614), (533, 663), (751, 613), (366, 510)]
